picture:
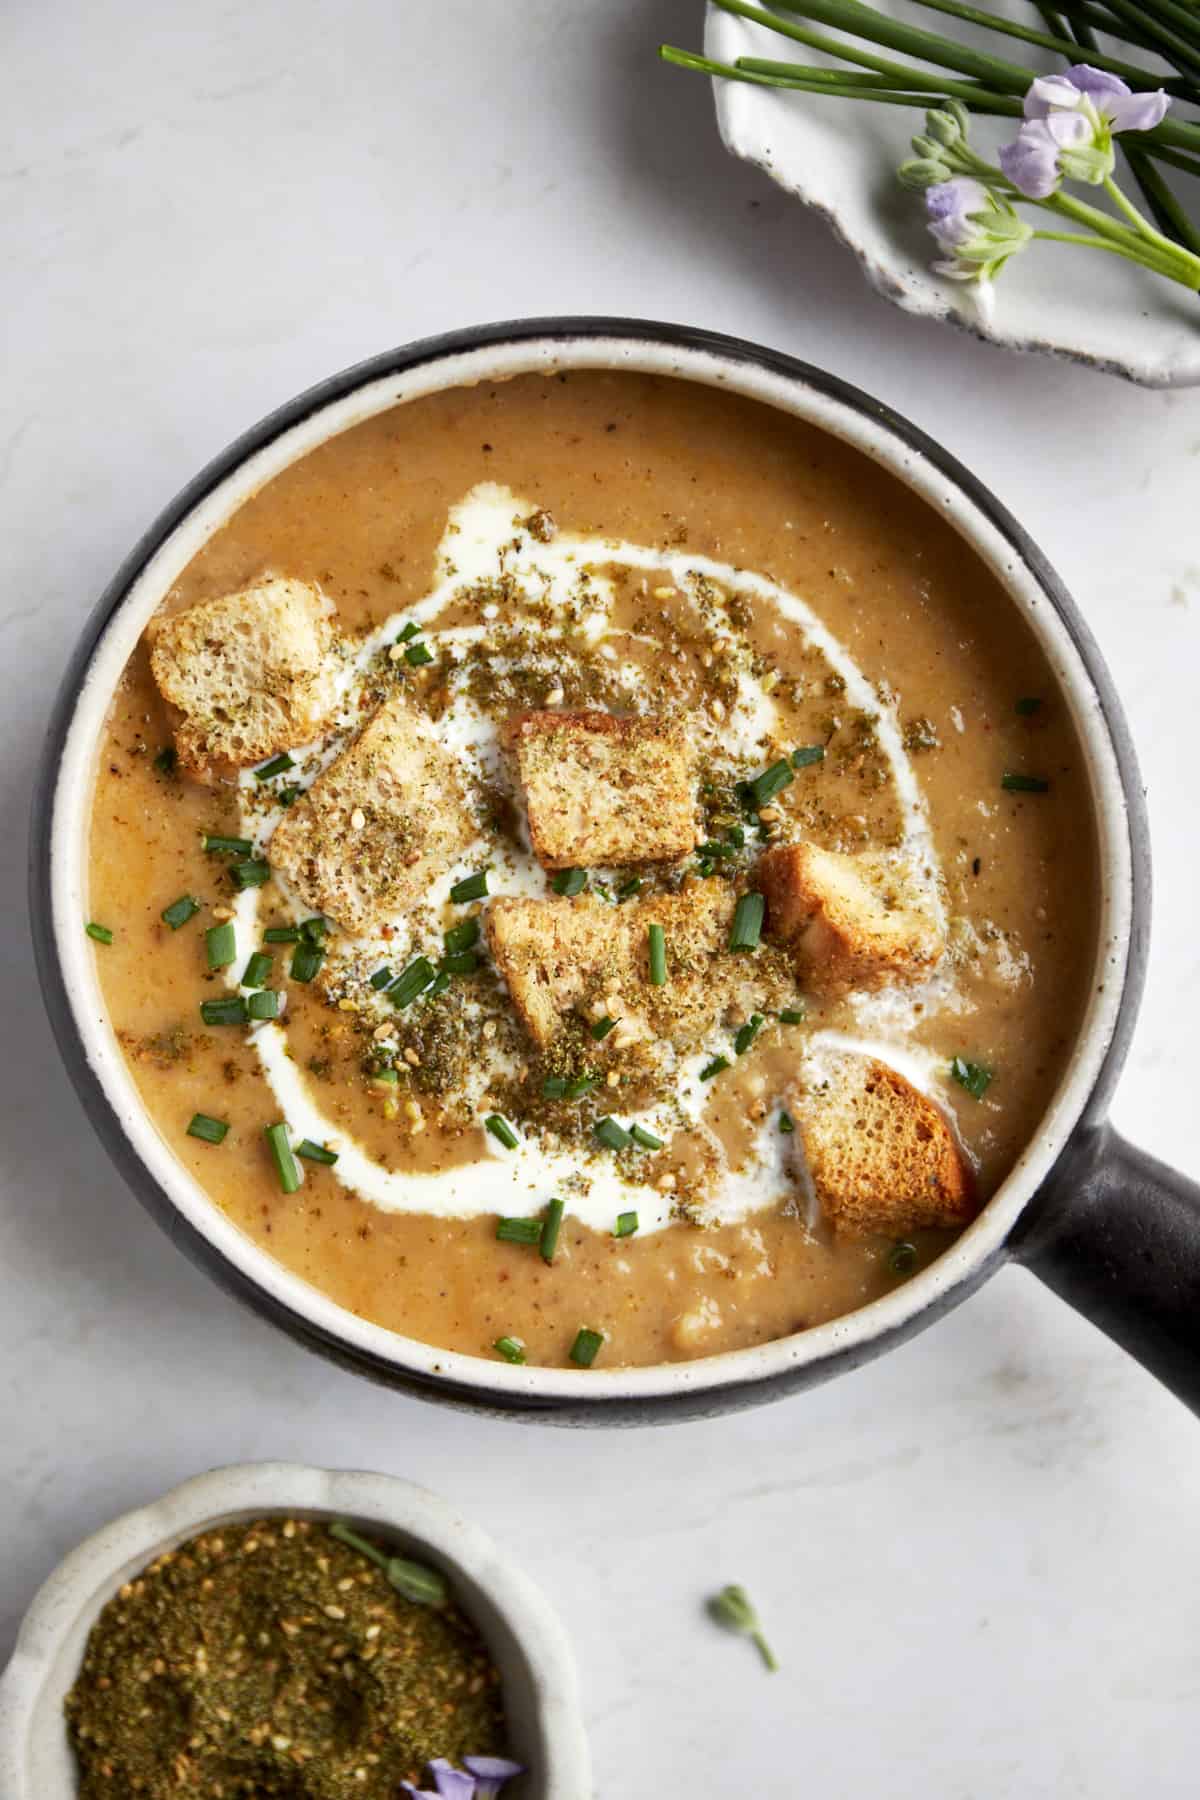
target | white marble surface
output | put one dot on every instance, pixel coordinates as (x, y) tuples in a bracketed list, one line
[(977, 1558)]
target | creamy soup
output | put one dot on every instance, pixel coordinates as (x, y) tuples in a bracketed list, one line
[(812, 659)]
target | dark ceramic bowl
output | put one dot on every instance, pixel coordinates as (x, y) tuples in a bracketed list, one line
[(1114, 1232)]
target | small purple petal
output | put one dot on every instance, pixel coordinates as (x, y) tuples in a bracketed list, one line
[(950, 207), (1031, 160), (1070, 131), (1138, 112), (1100, 87), (452, 1783), (491, 1772), (1051, 93)]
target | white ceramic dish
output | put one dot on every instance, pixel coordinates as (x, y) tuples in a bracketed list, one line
[(840, 158), (526, 1640)]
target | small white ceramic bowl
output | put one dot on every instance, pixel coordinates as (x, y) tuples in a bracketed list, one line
[(525, 1639)]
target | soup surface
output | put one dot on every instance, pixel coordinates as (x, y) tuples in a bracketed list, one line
[(827, 665)]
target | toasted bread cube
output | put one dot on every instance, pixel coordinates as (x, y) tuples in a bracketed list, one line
[(246, 675), (843, 919), (881, 1156), (378, 826), (604, 790), (564, 959)]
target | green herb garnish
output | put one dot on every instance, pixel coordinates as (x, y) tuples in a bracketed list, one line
[(611, 1135), (216, 845), (276, 766), (220, 945), (645, 1140), (461, 937), (252, 874), (570, 882), (100, 933), (793, 1015), (501, 1130), (415, 979), (180, 911), (586, 1346), (207, 1129), (626, 1225), (808, 754), (747, 1033), (602, 1027), (657, 942), (971, 1075), (167, 760), (715, 1067), (786, 1123), (316, 1153), (463, 962), (1015, 783), (510, 1348), (306, 961), (581, 1085), (520, 1231), (747, 922), (410, 630), (550, 1230), (281, 1155), (417, 656), (263, 1005), (902, 1258), (381, 978), (415, 1581), (282, 934), (471, 887), (224, 1012), (257, 969)]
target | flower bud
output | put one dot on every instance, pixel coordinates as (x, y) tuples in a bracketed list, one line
[(945, 127), (928, 148), (921, 172)]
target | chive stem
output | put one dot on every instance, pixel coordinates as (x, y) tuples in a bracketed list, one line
[(587, 1345), (551, 1228), (180, 911), (207, 1129), (657, 942), (510, 1348), (101, 934), (501, 1130), (286, 1166), (747, 922)]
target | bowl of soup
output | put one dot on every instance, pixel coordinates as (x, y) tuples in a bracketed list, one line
[(588, 867)]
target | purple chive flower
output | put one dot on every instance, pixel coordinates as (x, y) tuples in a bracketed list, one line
[(1070, 121), (491, 1773)]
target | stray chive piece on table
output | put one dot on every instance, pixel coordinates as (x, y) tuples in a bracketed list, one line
[(100, 934), (501, 1130), (510, 1348), (180, 911), (415, 1581), (586, 1347), (732, 1609), (747, 922), (1015, 783), (570, 882), (471, 887), (276, 766), (971, 1075), (657, 941), (281, 1155), (207, 1129)]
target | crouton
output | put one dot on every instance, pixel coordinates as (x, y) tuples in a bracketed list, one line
[(383, 821), (880, 1155), (604, 790), (577, 960), (843, 920), (246, 675)]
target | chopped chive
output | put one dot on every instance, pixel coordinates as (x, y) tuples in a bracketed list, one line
[(972, 1076), (314, 930), (626, 1225), (224, 1012), (418, 655), (646, 1139), (510, 1349), (216, 845), (263, 1005), (411, 630), (612, 1135), (658, 955), (602, 1027), (713, 852), (554, 1087), (471, 887), (808, 754), (250, 874), (1027, 705), (167, 760), (257, 969), (786, 1123), (581, 1085), (715, 1067), (736, 835), (586, 1346), (570, 882), (381, 978), (180, 911), (501, 1130), (519, 1231), (747, 1033), (100, 933), (1024, 784), (461, 937), (316, 1153), (551, 1227), (385, 1078), (276, 766), (793, 1015), (463, 962), (281, 934), (209, 1130), (220, 945), (902, 1258), (629, 888), (438, 985), (281, 1154), (772, 781), (415, 979), (287, 796), (306, 961), (747, 922)]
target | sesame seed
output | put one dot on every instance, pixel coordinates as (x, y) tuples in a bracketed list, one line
[(358, 818), (555, 697)]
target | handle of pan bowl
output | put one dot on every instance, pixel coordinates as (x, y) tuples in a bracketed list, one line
[(1117, 1234)]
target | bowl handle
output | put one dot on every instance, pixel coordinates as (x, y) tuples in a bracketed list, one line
[(1117, 1234)]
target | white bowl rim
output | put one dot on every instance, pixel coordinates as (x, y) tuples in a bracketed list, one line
[(260, 1489), (498, 352)]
